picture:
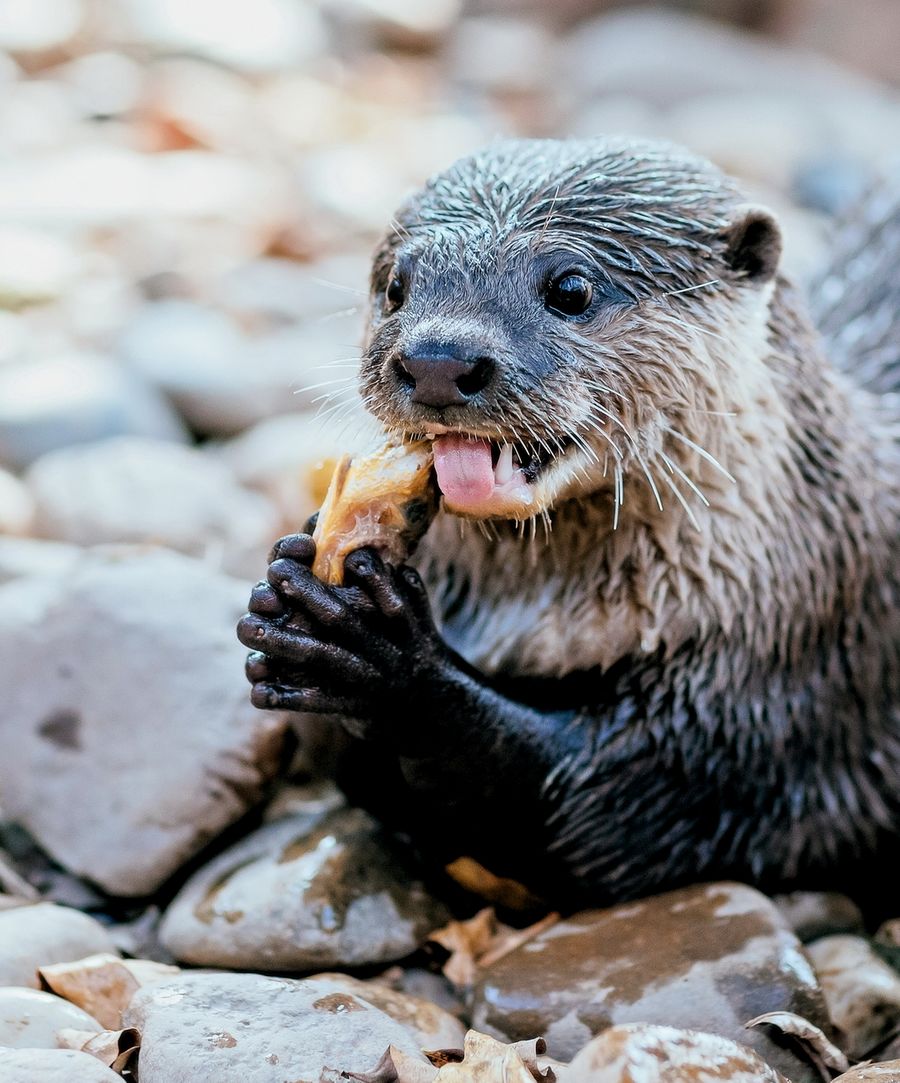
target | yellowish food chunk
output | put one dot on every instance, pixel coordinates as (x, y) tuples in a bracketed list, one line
[(385, 500)]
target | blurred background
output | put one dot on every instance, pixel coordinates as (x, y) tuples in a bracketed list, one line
[(190, 190)]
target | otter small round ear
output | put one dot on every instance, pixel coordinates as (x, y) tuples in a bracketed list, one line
[(753, 244)]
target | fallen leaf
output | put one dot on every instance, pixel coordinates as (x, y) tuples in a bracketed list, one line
[(102, 985), (480, 941), (115, 1048), (499, 890), (822, 1053), (487, 1061)]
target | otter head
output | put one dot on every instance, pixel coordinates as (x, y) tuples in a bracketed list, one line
[(548, 311)]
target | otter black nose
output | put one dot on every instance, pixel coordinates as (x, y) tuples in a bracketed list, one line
[(444, 379)]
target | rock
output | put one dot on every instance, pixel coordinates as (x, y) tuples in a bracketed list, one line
[(268, 35), (42, 934), (16, 506), (53, 1066), (75, 398), (303, 893), (887, 1072), (35, 266), (239, 1027), (814, 914), (432, 1027), (135, 706), (653, 1054), (30, 556), (397, 23), (30, 1019), (862, 992), (103, 84), (222, 380), (711, 957), (291, 458), (35, 26), (130, 489), (502, 53)]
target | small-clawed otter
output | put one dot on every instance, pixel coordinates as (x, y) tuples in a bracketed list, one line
[(657, 639)]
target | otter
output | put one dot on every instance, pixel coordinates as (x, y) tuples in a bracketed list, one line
[(652, 637)]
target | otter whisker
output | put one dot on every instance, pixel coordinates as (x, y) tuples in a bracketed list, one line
[(619, 496), (677, 493), (676, 469), (702, 452), (340, 287), (688, 289)]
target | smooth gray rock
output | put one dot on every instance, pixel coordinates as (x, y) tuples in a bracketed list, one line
[(133, 490), (246, 1028), (303, 893), (33, 556), (641, 1053), (708, 958), (30, 1019), (127, 739), (53, 1066), (43, 933), (75, 398)]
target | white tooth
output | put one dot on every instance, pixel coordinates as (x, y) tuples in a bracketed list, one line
[(503, 471), (430, 435)]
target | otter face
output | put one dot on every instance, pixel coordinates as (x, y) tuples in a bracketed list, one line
[(534, 311)]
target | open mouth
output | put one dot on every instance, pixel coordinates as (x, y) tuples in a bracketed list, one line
[(480, 476)]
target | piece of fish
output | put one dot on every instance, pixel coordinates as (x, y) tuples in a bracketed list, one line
[(385, 500)]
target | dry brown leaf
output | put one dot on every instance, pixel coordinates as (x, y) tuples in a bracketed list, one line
[(481, 941), (822, 1053), (499, 890), (487, 1061), (114, 1048), (102, 985)]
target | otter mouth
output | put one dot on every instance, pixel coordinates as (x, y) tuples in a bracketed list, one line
[(482, 477)]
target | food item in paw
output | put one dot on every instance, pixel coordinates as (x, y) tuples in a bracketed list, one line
[(385, 500)]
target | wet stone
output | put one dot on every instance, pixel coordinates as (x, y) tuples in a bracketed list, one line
[(131, 489), (30, 1019), (238, 1027), (75, 398), (862, 992), (53, 1066), (653, 1054), (42, 934), (300, 894), (704, 958), (140, 716), (433, 1027), (813, 914)]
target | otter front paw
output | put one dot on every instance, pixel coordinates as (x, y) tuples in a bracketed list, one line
[(363, 650)]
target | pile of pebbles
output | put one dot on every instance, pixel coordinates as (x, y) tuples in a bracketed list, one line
[(189, 194)]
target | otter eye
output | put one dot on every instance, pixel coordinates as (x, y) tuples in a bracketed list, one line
[(395, 294), (569, 295)]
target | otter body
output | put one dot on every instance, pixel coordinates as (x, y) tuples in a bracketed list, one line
[(658, 641)]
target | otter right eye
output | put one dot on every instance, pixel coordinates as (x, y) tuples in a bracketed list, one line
[(395, 294), (569, 295)]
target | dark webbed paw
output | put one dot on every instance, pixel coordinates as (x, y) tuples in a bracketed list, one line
[(360, 650)]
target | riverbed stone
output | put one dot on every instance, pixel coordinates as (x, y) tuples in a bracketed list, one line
[(654, 1054), (300, 894), (53, 1066), (75, 398), (234, 1028), (34, 556), (432, 1026), (814, 914), (41, 934), (133, 742), (706, 958), (131, 489), (31, 1019)]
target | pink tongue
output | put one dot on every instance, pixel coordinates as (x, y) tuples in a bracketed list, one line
[(464, 468)]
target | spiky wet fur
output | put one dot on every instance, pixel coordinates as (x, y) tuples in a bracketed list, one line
[(751, 633)]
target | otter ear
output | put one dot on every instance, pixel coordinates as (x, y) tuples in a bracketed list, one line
[(753, 244)]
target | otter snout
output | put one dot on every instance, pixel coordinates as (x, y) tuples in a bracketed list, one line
[(441, 376)]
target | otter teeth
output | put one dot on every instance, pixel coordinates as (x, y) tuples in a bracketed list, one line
[(503, 471)]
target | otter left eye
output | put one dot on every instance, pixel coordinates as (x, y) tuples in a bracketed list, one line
[(395, 294), (569, 295)]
